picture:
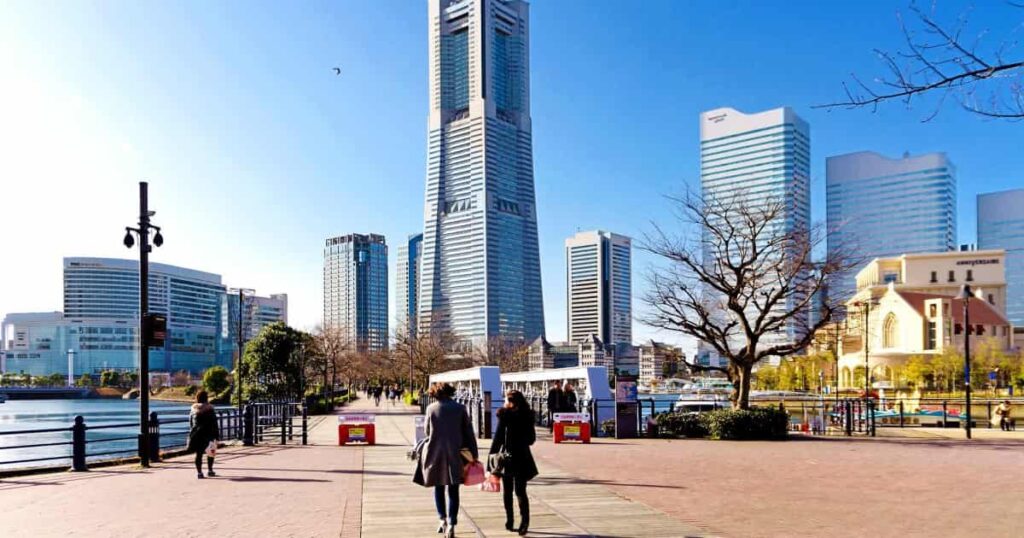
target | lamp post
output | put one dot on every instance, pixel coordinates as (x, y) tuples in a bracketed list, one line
[(965, 296), (144, 249), (865, 307)]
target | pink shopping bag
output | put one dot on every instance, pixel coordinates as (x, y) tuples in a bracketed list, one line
[(492, 484), (473, 474)]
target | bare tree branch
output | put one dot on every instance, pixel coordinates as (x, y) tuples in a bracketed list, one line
[(739, 282), (940, 60)]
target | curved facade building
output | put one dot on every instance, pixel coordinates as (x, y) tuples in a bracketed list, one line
[(481, 264)]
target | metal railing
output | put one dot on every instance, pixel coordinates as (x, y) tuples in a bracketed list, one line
[(258, 423), (479, 409)]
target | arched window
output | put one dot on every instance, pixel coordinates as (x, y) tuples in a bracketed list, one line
[(890, 332)]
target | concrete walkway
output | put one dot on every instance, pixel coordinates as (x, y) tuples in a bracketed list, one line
[(560, 505), (304, 491)]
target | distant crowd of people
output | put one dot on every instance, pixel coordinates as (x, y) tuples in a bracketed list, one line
[(393, 393)]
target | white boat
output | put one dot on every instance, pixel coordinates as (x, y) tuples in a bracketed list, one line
[(704, 394)]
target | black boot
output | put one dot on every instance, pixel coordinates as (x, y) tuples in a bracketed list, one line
[(524, 512)]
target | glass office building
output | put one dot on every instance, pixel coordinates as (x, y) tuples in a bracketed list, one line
[(481, 264), (407, 284), (750, 158), (599, 287), (257, 314), (877, 207), (98, 327), (1001, 226), (356, 289)]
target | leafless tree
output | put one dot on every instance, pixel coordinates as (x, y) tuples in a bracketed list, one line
[(425, 353), (332, 355), (735, 279), (948, 60), (509, 354)]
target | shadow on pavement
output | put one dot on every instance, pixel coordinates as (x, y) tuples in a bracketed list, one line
[(570, 480), (267, 479)]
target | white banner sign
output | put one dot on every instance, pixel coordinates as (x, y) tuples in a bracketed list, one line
[(356, 419), (572, 417)]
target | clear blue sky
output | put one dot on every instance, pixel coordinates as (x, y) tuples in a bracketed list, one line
[(256, 152)]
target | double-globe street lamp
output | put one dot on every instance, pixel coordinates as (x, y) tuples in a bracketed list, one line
[(152, 329), (965, 296)]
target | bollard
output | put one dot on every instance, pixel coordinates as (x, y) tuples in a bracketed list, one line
[(871, 410), (990, 414), (944, 418), (154, 437), (248, 426), (848, 417), (305, 436), (291, 422), (283, 412), (901, 413), (488, 404), (78, 445)]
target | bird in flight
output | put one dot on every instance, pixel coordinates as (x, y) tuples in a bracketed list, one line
[(337, 70)]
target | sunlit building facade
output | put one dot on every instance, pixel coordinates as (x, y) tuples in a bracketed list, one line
[(356, 289), (481, 264), (1001, 226)]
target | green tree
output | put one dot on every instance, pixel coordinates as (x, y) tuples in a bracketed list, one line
[(272, 363), (918, 371), (110, 378), (215, 380), (84, 381), (766, 377)]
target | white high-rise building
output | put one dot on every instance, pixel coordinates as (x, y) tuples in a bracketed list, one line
[(481, 262), (865, 190), (599, 287), (756, 157), (407, 284)]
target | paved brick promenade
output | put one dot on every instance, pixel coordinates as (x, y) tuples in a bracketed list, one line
[(930, 484)]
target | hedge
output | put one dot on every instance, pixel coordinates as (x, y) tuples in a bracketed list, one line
[(756, 423)]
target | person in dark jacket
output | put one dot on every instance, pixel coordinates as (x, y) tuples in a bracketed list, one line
[(515, 434), (570, 399), (555, 403), (448, 431), (203, 431)]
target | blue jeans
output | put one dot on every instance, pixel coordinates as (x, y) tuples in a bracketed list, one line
[(453, 502)]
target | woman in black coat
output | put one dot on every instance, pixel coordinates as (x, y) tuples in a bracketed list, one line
[(515, 434), (203, 431)]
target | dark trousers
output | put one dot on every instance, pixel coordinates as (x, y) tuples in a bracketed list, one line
[(452, 515), (511, 485), (199, 462)]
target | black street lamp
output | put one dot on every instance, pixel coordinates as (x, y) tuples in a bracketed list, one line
[(965, 296), (865, 307), (147, 327)]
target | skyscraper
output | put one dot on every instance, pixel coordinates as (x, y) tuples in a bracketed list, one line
[(407, 284), (599, 287), (356, 289), (1001, 226), (755, 157), (481, 264), (865, 190)]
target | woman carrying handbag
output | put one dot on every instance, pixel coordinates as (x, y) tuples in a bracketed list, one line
[(449, 444), (511, 457)]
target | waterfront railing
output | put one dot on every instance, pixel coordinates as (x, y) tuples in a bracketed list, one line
[(84, 444)]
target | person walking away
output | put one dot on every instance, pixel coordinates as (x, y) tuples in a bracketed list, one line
[(1003, 412), (514, 436), (376, 395), (448, 432), (203, 431), (570, 399), (554, 403)]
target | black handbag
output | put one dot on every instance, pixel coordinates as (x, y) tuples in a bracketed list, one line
[(500, 460)]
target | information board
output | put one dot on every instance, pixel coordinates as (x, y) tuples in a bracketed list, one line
[(626, 419)]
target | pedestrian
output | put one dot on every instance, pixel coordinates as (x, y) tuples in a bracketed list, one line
[(450, 445), (570, 399), (555, 397), (376, 395), (514, 436), (202, 432), (1003, 412)]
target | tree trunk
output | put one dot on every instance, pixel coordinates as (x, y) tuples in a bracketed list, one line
[(742, 384)]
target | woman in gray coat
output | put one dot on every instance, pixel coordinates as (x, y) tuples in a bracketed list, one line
[(448, 431)]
